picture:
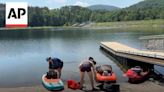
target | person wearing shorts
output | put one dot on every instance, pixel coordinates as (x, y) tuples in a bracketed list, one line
[(89, 67)]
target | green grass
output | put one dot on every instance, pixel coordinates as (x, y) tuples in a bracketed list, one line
[(141, 23)]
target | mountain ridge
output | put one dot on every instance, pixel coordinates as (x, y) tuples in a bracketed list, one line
[(103, 7)]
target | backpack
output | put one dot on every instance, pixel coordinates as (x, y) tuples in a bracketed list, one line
[(52, 75), (111, 87)]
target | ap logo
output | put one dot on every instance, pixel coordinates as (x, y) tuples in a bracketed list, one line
[(16, 14)]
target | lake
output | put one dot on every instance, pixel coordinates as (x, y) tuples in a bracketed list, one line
[(23, 53)]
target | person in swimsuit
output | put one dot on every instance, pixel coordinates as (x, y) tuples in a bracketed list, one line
[(89, 67)]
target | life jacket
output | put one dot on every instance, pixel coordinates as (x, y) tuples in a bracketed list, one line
[(72, 84), (132, 74)]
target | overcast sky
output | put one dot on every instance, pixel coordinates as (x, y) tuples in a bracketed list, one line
[(59, 3)]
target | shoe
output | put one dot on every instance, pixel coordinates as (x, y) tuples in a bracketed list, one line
[(94, 89), (81, 88)]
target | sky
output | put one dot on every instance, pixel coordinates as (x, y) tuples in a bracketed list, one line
[(59, 3)]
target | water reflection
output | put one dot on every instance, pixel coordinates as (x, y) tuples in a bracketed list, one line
[(23, 52)]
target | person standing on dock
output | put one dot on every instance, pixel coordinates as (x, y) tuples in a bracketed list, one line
[(89, 67), (55, 64)]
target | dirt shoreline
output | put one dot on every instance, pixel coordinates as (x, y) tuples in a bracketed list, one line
[(147, 86)]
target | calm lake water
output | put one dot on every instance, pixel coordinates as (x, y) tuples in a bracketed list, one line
[(23, 52)]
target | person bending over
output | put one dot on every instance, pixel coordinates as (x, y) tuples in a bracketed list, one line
[(89, 67), (55, 64)]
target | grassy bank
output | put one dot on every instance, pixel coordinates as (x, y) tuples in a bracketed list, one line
[(127, 24), (141, 24)]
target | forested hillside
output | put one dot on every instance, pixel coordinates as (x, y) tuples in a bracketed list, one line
[(2, 15), (69, 15), (103, 7), (148, 9)]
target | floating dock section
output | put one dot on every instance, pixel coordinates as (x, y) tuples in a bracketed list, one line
[(121, 50)]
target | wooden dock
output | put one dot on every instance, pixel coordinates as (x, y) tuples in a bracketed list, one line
[(122, 50)]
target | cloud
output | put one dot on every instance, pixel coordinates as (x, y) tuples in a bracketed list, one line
[(79, 3), (57, 1)]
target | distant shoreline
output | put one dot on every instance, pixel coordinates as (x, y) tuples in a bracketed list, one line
[(159, 23)]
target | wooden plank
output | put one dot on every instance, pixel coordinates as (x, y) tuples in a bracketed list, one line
[(117, 46)]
